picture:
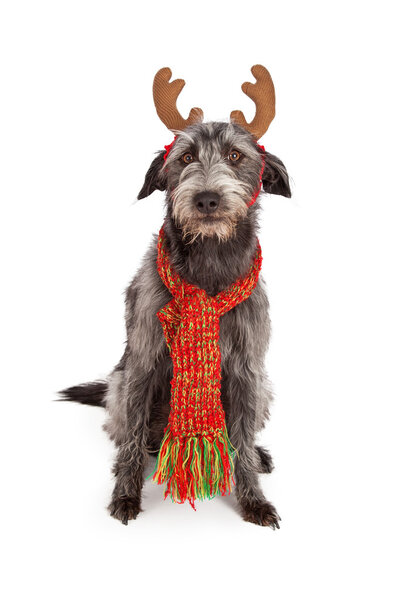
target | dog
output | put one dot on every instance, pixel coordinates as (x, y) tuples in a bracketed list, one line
[(209, 175)]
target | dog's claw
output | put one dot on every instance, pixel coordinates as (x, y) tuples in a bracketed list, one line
[(261, 513), (124, 509)]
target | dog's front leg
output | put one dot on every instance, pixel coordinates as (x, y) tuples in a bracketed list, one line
[(132, 454), (241, 394)]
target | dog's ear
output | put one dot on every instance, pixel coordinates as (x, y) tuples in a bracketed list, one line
[(155, 179), (275, 178)]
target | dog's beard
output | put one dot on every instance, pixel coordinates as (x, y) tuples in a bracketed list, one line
[(220, 227), (222, 223)]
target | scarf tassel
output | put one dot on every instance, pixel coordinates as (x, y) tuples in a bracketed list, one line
[(195, 468)]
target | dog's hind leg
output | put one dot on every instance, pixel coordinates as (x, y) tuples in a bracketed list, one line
[(266, 462)]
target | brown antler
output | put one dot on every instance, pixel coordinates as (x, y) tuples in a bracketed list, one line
[(263, 94), (165, 95)]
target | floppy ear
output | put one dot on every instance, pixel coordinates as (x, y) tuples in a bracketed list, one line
[(275, 178), (154, 180)]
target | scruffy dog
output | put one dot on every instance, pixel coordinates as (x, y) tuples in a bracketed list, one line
[(210, 175)]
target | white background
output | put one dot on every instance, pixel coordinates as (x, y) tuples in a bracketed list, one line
[(78, 132)]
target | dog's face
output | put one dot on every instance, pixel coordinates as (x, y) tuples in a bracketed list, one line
[(211, 174)]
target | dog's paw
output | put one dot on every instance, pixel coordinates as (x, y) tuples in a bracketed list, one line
[(261, 513), (124, 509), (267, 465)]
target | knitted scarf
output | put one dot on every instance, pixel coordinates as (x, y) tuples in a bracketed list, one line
[(195, 460)]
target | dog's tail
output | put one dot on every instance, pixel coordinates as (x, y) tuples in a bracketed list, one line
[(92, 393)]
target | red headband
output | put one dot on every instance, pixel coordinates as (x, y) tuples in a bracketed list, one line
[(257, 192)]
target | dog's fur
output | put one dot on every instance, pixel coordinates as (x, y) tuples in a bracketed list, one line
[(211, 251)]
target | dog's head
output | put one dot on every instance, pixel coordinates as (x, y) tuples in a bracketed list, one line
[(212, 173)]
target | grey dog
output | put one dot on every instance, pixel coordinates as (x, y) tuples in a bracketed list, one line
[(209, 177)]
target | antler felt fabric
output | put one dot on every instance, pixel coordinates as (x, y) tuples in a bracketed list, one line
[(165, 94), (263, 94)]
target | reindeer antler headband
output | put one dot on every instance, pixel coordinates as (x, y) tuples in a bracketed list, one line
[(165, 94)]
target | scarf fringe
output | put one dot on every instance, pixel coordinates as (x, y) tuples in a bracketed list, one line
[(195, 468)]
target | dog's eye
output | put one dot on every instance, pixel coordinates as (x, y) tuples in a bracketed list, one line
[(234, 156), (187, 158)]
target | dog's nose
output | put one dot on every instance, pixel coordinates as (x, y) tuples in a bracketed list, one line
[(206, 202)]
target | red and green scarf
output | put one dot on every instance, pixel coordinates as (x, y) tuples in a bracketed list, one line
[(195, 460)]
